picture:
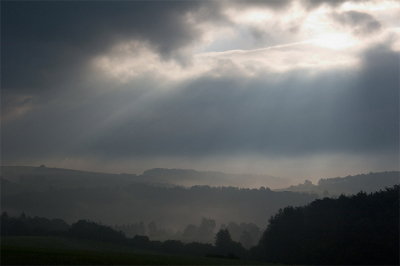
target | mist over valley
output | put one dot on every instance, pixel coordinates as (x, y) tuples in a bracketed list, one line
[(159, 202)]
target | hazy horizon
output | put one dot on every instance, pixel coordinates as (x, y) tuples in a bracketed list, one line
[(293, 89)]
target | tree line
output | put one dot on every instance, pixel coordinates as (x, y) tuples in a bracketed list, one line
[(361, 229), (350, 184), (35, 226), (357, 229), (31, 226), (365, 182), (224, 246)]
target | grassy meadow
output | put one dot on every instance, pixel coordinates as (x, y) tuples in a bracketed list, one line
[(43, 250)]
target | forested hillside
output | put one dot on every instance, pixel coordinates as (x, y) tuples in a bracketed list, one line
[(358, 229), (366, 182)]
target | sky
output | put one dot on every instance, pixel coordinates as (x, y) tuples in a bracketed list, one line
[(303, 89)]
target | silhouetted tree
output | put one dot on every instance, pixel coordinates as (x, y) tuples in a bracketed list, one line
[(223, 241)]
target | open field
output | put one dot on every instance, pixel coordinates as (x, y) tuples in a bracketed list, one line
[(67, 251)]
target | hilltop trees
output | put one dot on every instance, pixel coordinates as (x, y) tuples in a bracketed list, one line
[(366, 182), (358, 229)]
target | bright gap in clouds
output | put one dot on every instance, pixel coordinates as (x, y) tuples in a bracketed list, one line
[(336, 41), (285, 41), (313, 55)]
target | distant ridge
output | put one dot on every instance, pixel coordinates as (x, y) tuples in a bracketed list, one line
[(156, 176), (350, 184), (189, 177), (13, 173)]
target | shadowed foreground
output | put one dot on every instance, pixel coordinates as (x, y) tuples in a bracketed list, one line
[(34, 250)]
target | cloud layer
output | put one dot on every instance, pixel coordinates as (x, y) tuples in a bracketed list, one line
[(140, 81)]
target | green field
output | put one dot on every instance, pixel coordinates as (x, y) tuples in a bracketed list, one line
[(31, 250)]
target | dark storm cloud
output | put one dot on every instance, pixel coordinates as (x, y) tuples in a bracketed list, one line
[(361, 23), (44, 43)]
